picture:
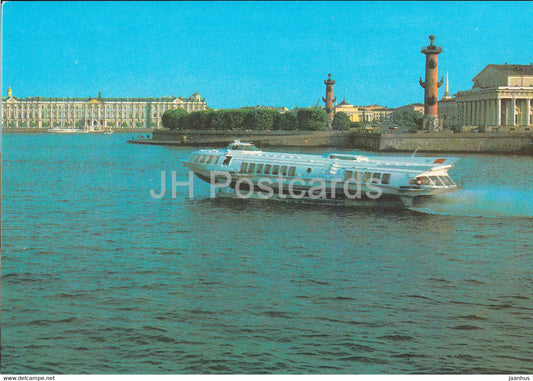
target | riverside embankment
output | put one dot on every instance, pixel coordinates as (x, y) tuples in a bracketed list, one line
[(337, 139), (495, 142), (469, 142)]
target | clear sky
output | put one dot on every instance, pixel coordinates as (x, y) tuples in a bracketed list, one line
[(255, 53)]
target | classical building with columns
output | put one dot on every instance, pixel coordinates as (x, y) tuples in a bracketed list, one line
[(500, 99), (92, 113), (360, 114)]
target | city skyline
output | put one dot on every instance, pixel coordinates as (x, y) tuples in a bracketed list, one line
[(239, 54)]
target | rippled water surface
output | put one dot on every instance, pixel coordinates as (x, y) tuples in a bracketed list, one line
[(99, 277)]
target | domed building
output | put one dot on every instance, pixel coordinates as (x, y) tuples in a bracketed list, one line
[(360, 114), (349, 109)]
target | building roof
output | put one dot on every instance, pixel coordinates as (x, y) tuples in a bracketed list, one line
[(103, 100), (513, 69), (374, 107), (447, 100), (344, 103), (171, 98)]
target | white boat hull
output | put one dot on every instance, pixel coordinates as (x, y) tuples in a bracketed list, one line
[(350, 178)]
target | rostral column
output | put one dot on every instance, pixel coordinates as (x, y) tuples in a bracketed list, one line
[(329, 99), (431, 86)]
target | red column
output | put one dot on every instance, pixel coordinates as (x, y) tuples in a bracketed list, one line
[(431, 85), (329, 99)]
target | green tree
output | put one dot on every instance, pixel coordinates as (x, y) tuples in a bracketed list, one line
[(198, 120), (260, 119), (407, 118), (235, 119), (286, 121), (341, 122), (173, 118), (216, 121), (312, 120)]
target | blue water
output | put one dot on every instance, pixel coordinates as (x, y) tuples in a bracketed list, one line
[(99, 277)]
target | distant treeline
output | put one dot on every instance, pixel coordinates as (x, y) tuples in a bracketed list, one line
[(311, 119), (243, 119)]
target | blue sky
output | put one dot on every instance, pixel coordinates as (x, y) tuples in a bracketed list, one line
[(255, 53)]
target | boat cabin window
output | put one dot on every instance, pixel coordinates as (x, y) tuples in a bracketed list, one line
[(267, 169), (251, 167), (343, 157), (309, 170), (426, 180), (214, 159), (244, 165), (437, 181), (447, 180), (292, 171), (348, 175), (283, 170), (385, 179), (259, 168), (243, 147), (201, 159), (357, 176), (227, 160), (275, 169), (376, 176), (366, 176)]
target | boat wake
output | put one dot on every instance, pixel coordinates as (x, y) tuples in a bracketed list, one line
[(489, 202)]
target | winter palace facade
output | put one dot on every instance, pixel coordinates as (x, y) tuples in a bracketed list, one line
[(92, 113)]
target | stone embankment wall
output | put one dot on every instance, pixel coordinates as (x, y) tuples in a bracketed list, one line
[(499, 142), (259, 138), (514, 142)]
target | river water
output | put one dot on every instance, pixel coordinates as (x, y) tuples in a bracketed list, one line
[(98, 277)]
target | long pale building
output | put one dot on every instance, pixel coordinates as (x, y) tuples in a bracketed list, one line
[(361, 114), (501, 98), (92, 113)]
